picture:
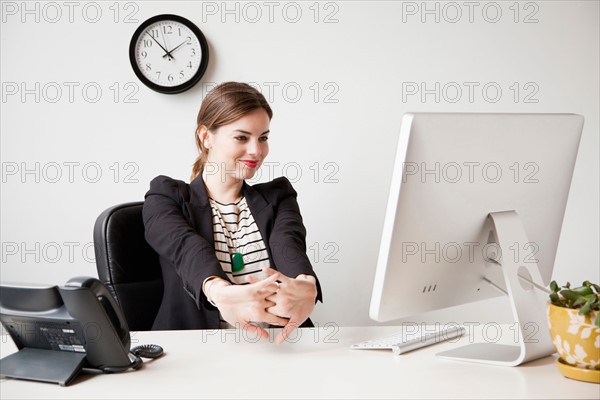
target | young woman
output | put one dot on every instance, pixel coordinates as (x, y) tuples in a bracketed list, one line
[(232, 255)]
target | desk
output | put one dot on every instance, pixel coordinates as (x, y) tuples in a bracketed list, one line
[(230, 364)]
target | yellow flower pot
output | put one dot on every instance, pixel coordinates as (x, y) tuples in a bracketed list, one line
[(575, 337)]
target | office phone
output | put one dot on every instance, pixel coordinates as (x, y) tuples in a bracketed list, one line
[(61, 330)]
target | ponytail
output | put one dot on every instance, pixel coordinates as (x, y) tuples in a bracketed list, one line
[(200, 160), (197, 167)]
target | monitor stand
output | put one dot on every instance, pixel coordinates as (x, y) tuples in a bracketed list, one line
[(526, 295), (43, 365)]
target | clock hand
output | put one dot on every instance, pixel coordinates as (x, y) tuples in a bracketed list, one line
[(167, 53), (176, 47), (165, 42)]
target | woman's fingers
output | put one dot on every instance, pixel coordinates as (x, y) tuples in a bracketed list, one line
[(278, 312), (287, 331), (263, 297), (271, 309), (281, 277), (272, 298), (272, 277), (274, 319), (269, 271), (267, 286), (247, 326)]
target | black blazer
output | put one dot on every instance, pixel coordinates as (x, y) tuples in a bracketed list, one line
[(179, 226)]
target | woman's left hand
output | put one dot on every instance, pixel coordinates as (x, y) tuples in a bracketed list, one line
[(295, 300)]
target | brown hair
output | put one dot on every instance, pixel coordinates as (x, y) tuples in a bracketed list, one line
[(224, 104)]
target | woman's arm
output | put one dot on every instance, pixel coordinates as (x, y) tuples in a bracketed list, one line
[(299, 288), (171, 236), (287, 241)]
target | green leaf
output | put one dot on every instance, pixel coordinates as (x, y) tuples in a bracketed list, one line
[(554, 287), (579, 301), (569, 295), (568, 285), (585, 309), (591, 298), (556, 300), (592, 286), (583, 290)]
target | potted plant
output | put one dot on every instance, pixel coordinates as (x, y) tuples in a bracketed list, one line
[(574, 321)]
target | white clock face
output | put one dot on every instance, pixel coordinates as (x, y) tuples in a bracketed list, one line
[(168, 53)]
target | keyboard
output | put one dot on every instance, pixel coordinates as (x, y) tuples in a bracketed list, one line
[(403, 342)]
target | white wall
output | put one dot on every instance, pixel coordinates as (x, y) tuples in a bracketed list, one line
[(339, 133)]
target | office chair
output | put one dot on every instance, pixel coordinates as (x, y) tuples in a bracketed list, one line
[(127, 264)]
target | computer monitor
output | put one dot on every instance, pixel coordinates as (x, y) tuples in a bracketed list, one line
[(475, 210)]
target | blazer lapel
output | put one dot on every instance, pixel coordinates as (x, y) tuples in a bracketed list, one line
[(200, 214), (262, 211), (199, 210)]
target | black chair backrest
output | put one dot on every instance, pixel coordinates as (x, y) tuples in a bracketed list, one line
[(127, 264)]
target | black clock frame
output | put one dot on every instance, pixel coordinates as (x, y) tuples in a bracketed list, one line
[(203, 46)]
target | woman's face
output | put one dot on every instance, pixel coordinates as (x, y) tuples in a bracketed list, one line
[(238, 150)]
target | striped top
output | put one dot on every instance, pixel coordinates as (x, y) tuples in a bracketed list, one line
[(235, 231)]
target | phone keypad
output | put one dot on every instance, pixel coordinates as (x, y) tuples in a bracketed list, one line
[(64, 339)]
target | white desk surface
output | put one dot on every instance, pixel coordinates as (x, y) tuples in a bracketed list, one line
[(320, 364)]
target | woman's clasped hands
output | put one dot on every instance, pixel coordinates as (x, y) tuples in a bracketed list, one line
[(277, 300)]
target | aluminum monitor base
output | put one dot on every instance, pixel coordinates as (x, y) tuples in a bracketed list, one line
[(526, 294)]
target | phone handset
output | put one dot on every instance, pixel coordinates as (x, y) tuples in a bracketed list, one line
[(122, 357), (110, 306)]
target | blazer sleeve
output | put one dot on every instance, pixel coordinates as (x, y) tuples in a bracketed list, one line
[(288, 236), (168, 232)]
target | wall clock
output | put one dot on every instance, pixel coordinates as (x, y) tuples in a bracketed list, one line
[(168, 53)]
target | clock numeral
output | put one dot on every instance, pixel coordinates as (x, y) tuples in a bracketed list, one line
[(193, 51), (154, 33), (170, 78), (167, 29), (179, 29), (148, 67), (144, 54), (189, 65), (181, 75), (189, 40), (158, 73), (147, 43)]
